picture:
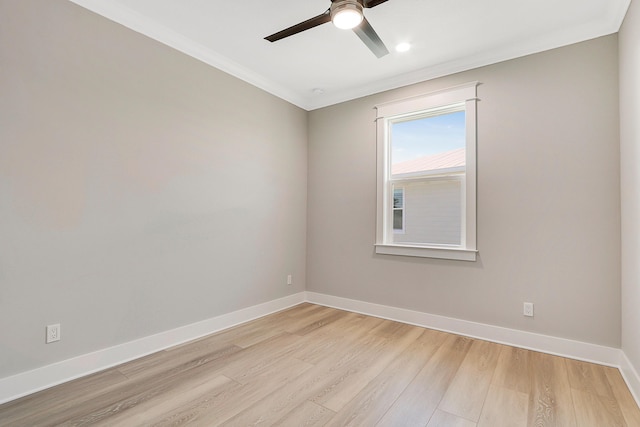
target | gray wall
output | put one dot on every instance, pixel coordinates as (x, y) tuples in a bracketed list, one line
[(548, 201), (630, 181), (140, 190)]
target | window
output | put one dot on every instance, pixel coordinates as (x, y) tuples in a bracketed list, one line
[(427, 175)]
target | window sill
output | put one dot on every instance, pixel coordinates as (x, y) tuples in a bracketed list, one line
[(427, 252)]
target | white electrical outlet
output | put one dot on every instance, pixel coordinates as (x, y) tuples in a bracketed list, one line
[(289, 280), (528, 309), (53, 333)]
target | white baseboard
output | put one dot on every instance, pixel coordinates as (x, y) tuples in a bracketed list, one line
[(25, 383), (630, 376), (544, 343)]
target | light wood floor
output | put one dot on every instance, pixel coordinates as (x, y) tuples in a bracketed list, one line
[(312, 365)]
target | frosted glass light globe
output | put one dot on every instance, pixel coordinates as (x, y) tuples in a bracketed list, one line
[(346, 19)]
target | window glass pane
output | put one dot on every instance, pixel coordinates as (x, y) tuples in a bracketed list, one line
[(428, 145), (398, 198), (434, 215), (397, 219)]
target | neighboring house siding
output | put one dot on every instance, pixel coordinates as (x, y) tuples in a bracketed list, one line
[(432, 212)]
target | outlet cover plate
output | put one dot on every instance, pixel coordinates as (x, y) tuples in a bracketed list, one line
[(528, 309), (53, 333)]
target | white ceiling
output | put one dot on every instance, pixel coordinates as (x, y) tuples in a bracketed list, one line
[(447, 36)]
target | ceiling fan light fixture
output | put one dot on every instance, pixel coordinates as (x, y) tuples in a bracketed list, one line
[(346, 14)]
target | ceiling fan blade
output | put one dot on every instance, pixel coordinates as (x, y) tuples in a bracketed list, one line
[(373, 3), (369, 36), (303, 26)]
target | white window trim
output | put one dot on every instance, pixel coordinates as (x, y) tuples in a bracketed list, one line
[(466, 94)]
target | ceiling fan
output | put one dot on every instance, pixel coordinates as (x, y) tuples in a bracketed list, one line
[(345, 14)]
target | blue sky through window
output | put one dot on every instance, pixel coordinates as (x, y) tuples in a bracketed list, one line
[(430, 135)]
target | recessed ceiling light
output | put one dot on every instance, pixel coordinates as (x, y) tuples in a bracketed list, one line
[(403, 47)]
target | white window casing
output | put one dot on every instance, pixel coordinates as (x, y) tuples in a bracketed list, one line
[(463, 97)]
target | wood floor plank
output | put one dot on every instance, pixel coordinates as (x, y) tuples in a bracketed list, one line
[(334, 337), (302, 310), (443, 419), (419, 400), (172, 363), (513, 369), (307, 414), (215, 410), (388, 329), (628, 405), (504, 407), (321, 322), (550, 400), (164, 404), (276, 405), (251, 332), (127, 398), (368, 406), (260, 357), (588, 377), (592, 396), (296, 324), (372, 362), (38, 406), (249, 338), (507, 401), (199, 403), (591, 410), (468, 390)]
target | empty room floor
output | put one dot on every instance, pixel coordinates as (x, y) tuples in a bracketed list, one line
[(313, 365)]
